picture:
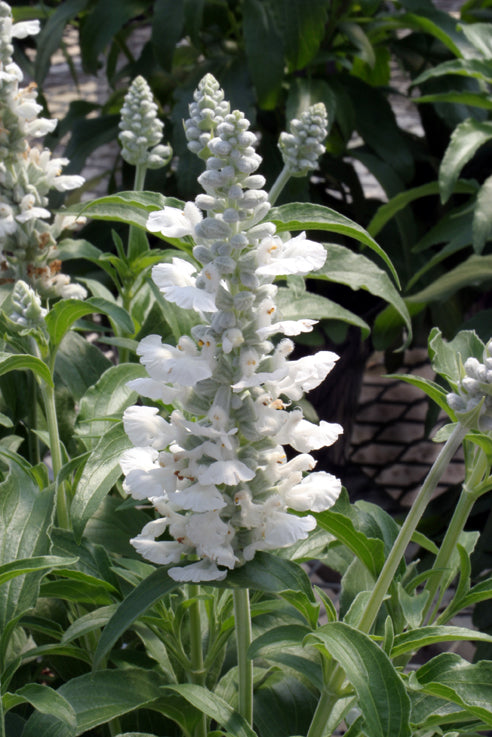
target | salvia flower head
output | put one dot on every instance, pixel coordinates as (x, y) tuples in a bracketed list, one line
[(206, 112), (28, 235), (141, 129), (474, 391), (302, 147), (215, 469)]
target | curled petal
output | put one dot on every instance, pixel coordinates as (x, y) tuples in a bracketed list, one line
[(315, 493), (173, 222), (202, 570)]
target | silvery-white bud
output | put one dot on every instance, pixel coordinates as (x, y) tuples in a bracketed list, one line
[(27, 311), (302, 147), (141, 129), (206, 113)]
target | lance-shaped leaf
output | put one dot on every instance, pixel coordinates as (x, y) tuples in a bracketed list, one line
[(45, 700), (30, 565), (482, 216), (307, 216), (214, 707), (101, 472), (449, 676), (316, 307), (465, 141), (382, 698), (23, 362), (413, 640), (96, 698), (62, 316), (25, 522)]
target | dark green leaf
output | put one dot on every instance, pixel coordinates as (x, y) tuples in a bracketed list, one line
[(214, 707), (45, 700), (472, 272), (316, 307), (79, 364), (482, 216), (413, 640), (167, 29), (303, 29), (471, 68), (31, 565), (101, 472), (24, 362), (50, 38), (465, 141), (264, 50), (382, 698), (67, 311)]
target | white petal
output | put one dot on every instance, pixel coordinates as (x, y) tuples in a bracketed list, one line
[(25, 28), (305, 436), (178, 273), (65, 182), (225, 472), (161, 552), (306, 374), (144, 426), (156, 390), (296, 256), (173, 222), (142, 458), (315, 493), (190, 298), (198, 498), (202, 570), (287, 327)]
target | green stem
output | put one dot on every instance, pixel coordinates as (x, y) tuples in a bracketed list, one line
[(327, 717), (409, 526), (471, 491), (279, 184), (62, 514), (242, 618), (197, 674), (138, 185), (32, 438)]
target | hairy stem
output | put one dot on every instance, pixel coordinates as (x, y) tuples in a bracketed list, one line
[(62, 512), (279, 184), (196, 651)]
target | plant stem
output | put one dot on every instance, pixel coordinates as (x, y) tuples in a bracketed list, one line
[(196, 652), (279, 184), (62, 514), (409, 526), (138, 185), (327, 717), (242, 617)]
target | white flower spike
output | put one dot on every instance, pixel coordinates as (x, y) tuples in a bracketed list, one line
[(215, 469)]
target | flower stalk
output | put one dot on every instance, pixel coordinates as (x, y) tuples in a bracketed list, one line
[(242, 617)]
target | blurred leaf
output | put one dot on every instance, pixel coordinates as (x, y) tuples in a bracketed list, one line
[(474, 99), (478, 34), (167, 29), (470, 273), (465, 141), (306, 92), (470, 68), (303, 29), (264, 50), (51, 35), (382, 698), (482, 216), (101, 472), (356, 35), (307, 216), (102, 24)]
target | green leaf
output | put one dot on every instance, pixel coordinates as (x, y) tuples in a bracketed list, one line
[(465, 141), (102, 24), (303, 28), (264, 50), (25, 522), (24, 362), (470, 68), (277, 639), (402, 199), (96, 698), (72, 248), (450, 677), (214, 707), (447, 356), (382, 698), (67, 311), (316, 307), (307, 216), (470, 273), (31, 565), (50, 38), (168, 15), (45, 700), (145, 595), (132, 208), (101, 472), (107, 398), (482, 216), (283, 705), (475, 99), (480, 592), (79, 364), (369, 551), (414, 640), (431, 388)]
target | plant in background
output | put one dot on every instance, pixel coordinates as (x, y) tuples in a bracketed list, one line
[(27, 175)]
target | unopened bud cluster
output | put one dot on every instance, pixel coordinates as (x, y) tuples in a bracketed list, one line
[(27, 175), (141, 129), (475, 388), (206, 112), (27, 311), (215, 469), (302, 147)]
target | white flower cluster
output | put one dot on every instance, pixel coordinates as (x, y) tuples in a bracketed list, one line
[(302, 147), (475, 388), (141, 129), (27, 175), (206, 112), (215, 469)]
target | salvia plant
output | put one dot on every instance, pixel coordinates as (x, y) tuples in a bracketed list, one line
[(160, 520)]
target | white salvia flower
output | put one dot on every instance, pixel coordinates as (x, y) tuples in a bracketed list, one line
[(27, 175), (215, 470), (474, 389), (302, 147), (141, 129)]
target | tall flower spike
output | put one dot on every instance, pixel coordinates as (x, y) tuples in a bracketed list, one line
[(302, 147), (215, 470), (141, 129), (27, 239)]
